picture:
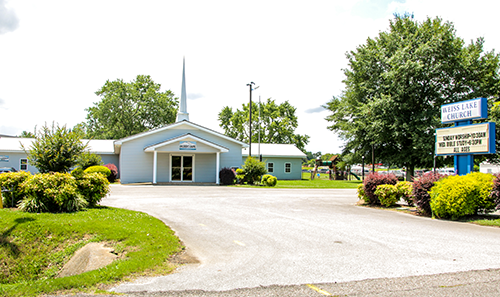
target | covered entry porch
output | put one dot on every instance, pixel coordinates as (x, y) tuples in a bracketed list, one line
[(186, 159)]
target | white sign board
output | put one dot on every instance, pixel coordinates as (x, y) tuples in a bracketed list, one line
[(464, 110), (187, 145), (467, 139)]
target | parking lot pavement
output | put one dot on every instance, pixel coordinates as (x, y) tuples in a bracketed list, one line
[(281, 239)]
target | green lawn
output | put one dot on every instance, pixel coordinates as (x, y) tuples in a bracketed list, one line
[(34, 247), (318, 183)]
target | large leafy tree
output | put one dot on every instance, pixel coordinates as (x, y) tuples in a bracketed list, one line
[(55, 149), (128, 108), (277, 123), (396, 83)]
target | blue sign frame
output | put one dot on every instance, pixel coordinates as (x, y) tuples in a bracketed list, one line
[(461, 112)]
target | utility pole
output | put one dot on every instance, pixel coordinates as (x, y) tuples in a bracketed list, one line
[(250, 122)]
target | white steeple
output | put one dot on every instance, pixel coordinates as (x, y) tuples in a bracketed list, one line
[(182, 114)]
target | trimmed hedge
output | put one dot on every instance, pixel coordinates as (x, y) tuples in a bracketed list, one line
[(100, 169), (387, 195), (457, 196), (405, 192), (93, 187), (269, 180)]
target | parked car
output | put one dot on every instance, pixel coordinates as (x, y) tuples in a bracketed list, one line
[(7, 169)]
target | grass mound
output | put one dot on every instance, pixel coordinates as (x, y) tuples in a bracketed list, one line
[(34, 248)]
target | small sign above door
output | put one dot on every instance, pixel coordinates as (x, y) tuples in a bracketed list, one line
[(187, 145)]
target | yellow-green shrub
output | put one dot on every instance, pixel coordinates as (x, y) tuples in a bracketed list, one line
[(93, 187), (11, 181), (101, 169), (458, 196), (51, 192), (269, 180), (405, 192), (362, 194), (387, 194)]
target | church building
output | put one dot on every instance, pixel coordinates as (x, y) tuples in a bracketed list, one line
[(175, 153)]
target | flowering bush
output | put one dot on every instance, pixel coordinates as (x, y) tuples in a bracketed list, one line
[(11, 181), (93, 187), (51, 192), (387, 195), (375, 179), (421, 187)]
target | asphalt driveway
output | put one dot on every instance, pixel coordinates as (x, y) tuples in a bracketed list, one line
[(248, 238)]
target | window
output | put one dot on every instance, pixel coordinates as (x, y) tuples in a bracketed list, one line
[(288, 167), (23, 164), (270, 167)]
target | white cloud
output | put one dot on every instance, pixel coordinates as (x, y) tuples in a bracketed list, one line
[(8, 19)]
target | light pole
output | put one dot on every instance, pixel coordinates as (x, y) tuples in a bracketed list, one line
[(250, 121), (373, 158), (363, 169)]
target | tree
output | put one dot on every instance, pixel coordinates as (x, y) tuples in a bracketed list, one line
[(26, 134), (129, 108), (55, 149), (278, 123), (396, 83), (88, 159)]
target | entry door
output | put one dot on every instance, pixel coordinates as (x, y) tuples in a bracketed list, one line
[(182, 168)]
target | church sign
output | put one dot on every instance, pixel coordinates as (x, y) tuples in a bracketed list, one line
[(187, 145), (465, 139), (464, 110), (470, 139)]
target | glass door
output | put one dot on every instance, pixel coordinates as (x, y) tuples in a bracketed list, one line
[(187, 168), (176, 168), (182, 168)]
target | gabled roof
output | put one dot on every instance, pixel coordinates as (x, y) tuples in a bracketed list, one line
[(153, 147), (175, 125), (275, 150)]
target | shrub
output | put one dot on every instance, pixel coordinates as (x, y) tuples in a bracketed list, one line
[(486, 202), (269, 180), (375, 179), (421, 187), (93, 187), (114, 172), (77, 173), (227, 176), (87, 159), (55, 149), (100, 169), (405, 192), (495, 192), (240, 176), (51, 192), (387, 195), (253, 170), (362, 194), (11, 181)]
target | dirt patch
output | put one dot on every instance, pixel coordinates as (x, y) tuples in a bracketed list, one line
[(92, 256), (183, 257)]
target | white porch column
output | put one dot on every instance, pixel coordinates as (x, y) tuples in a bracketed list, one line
[(217, 169), (155, 161)]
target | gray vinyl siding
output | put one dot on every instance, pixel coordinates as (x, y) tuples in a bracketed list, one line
[(15, 161), (204, 170), (279, 167), (111, 159), (137, 165)]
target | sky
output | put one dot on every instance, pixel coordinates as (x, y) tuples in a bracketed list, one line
[(55, 54)]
